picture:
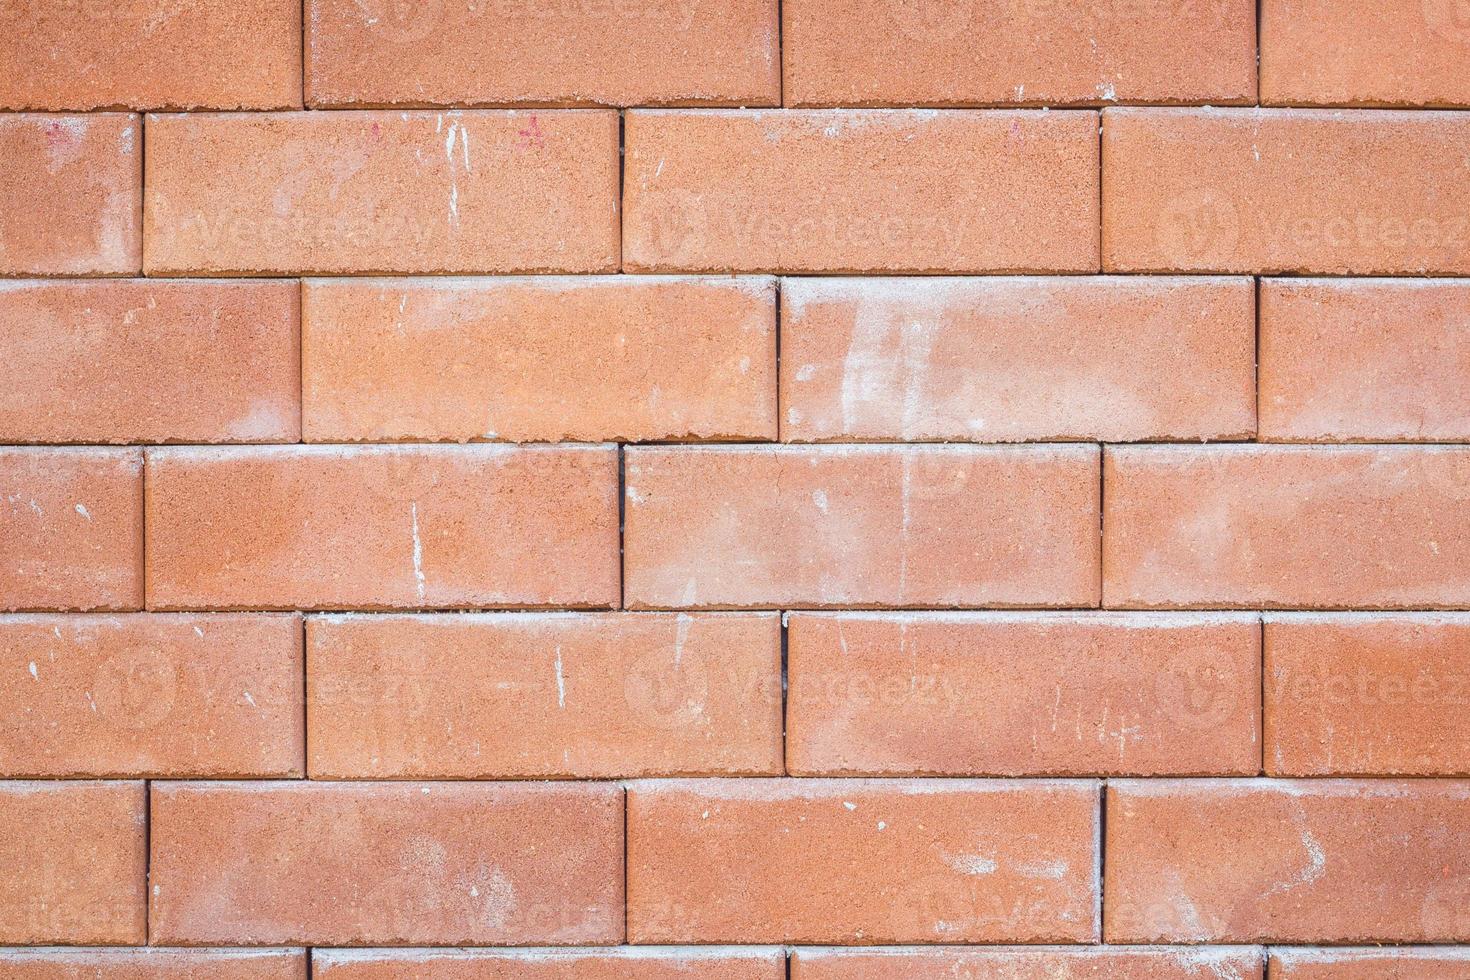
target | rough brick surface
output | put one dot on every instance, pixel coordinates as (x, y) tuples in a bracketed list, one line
[(362, 192), (74, 859), (861, 526), (338, 527), (540, 359), (1028, 964), (999, 360), (393, 864), (1267, 861), (70, 194), (687, 963), (1266, 190), (140, 361), (72, 530), (653, 52), (153, 964), (581, 696), (869, 190), (1007, 694), (1031, 52), (1369, 964)]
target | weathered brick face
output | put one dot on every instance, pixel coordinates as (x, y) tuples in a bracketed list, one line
[(734, 489)]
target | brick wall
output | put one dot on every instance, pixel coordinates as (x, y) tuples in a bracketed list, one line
[(734, 489)]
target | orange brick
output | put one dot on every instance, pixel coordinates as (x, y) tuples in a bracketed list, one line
[(336, 192), (1364, 52), (1369, 964), (1027, 964), (1032, 694), (1368, 695), (152, 964), (560, 695), (860, 526), (618, 963), (1031, 52), (1365, 359), (1001, 360), (863, 190), (71, 194), (150, 54), (71, 529), (381, 527), (661, 52), (152, 695), (143, 361), (386, 863), (75, 863), (1271, 190), (579, 359), (1286, 526), (874, 861), (1335, 861)]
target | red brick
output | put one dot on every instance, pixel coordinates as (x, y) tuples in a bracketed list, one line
[(1364, 52), (1270, 190), (1381, 527), (335, 192), (1015, 695), (152, 964), (1368, 695), (579, 696), (663, 52), (71, 194), (382, 527), (1001, 360), (861, 526), (150, 54), (860, 191), (75, 863), (71, 529), (1027, 964), (1324, 861), (875, 861), (1369, 964), (151, 695), (618, 963), (1031, 52), (1363, 359), (143, 361), (579, 359), (343, 864)]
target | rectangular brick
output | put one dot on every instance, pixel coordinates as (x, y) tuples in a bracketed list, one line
[(857, 526), (1274, 190), (551, 695), (152, 964), (358, 192), (540, 359), (1364, 52), (1381, 527), (1370, 964), (1360, 359), (862, 861), (343, 864), (152, 695), (150, 54), (71, 529), (513, 52), (306, 527), (1368, 695), (617, 963), (1002, 360), (958, 694), (75, 863), (140, 360), (71, 194), (861, 191), (1029, 52), (1219, 963), (1321, 861)]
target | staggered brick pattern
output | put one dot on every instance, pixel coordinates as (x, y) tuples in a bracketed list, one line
[(734, 489)]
